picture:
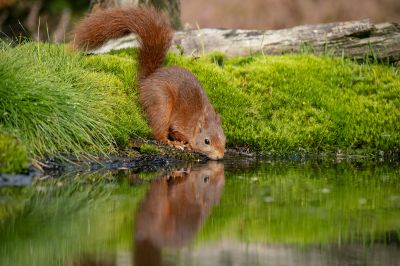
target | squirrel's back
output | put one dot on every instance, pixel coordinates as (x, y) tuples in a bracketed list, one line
[(151, 26)]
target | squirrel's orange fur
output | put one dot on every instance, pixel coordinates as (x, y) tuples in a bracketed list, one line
[(174, 101)]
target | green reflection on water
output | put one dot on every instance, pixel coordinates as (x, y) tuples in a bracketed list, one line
[(56, 221), (309, 204), (69, 219)]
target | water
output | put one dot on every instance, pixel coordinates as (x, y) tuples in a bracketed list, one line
[(236, 213)]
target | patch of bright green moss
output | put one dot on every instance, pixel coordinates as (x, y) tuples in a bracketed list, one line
[(13, 155), (292, 103), (149, 149)]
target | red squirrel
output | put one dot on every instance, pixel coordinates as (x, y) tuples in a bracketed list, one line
[(174, 101)]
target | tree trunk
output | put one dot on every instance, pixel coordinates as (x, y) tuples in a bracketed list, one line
[(358, 40), (171, 7)]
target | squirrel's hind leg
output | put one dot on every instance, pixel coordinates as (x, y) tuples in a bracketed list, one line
[(160, 130), (159, 123), (159, 118)]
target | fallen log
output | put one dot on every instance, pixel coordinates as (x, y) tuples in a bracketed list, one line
[(358, 40)]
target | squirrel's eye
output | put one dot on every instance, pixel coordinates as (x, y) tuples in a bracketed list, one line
[(207, 141), (206, 179)]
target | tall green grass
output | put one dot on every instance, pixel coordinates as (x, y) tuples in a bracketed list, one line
[(54, 105)]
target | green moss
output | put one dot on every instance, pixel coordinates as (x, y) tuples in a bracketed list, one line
[(302, 102), (127, 113), (149, 149), (13, 155)]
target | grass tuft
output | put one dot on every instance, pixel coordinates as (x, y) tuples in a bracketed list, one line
[(56, 104)]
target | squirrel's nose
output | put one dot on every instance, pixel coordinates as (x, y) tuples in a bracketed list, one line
[(216, 156)]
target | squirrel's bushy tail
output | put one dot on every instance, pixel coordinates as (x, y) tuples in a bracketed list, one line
[(152, 27)]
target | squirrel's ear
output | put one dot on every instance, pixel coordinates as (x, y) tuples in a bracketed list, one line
[(201, 121), (199, 126)]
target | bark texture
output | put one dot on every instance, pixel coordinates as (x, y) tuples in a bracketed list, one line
[(355, 39)]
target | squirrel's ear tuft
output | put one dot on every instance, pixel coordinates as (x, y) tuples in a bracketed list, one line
[(199, 126), (201, 121)]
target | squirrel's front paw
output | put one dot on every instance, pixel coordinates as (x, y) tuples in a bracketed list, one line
[(177, 144)]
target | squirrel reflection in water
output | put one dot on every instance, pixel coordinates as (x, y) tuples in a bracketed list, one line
[(174, 209)]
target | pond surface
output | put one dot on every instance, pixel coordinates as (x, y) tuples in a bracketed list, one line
[(231, 213)]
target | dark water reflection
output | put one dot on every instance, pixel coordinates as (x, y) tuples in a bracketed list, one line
[(231, 213)]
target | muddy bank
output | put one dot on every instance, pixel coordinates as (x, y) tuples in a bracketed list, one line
[(162, 158)]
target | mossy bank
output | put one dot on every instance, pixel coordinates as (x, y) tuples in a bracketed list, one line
[(55, 101)]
